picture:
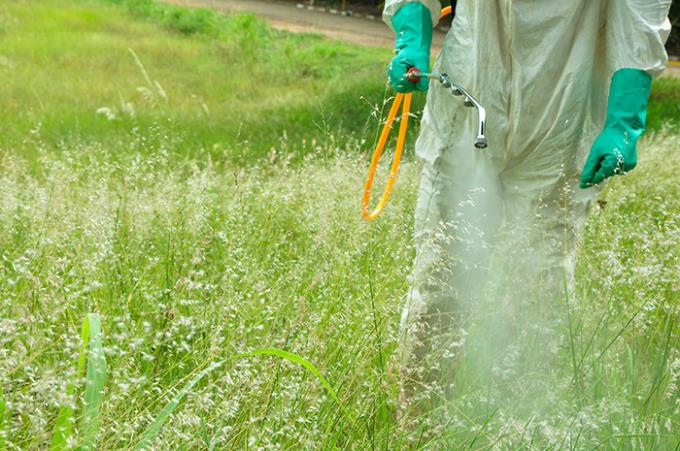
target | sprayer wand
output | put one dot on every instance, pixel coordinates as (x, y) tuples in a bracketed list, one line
[(413, 75)]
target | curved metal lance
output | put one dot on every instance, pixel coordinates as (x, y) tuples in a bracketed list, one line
[(470, 101)]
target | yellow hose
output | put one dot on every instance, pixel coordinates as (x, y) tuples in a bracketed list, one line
[(395, 160), (384, 135)]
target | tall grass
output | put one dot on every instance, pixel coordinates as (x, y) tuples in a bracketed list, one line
[(189, 265), (91, 365), (230, 94), (173, 259), (197, 237)]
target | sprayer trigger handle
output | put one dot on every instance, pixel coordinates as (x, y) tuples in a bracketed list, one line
[(413, 75)]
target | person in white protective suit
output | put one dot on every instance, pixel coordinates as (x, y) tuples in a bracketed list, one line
[(565, 83)]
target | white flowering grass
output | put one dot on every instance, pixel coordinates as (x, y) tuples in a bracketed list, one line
[(140, 197), (189, 263)]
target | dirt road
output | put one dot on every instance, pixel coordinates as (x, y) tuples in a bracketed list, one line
[(364, 30)]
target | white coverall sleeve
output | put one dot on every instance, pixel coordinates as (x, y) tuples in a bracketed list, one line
[(392, 6), (636, 34)]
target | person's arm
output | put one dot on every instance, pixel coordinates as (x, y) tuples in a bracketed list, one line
[(412, 22), (636, 33)]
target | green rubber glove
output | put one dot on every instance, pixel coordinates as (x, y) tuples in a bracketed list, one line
[(413, 25), (615, 149)]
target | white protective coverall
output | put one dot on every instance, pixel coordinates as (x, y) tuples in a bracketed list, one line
[(542, 70)]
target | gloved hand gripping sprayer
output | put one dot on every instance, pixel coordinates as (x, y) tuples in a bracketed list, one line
[(413, 75)]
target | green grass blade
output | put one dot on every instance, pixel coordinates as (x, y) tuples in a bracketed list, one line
[(154, 428), (302, 362), (617, 336), (3, 420), (482, 428), (63, 429), (94, 385)]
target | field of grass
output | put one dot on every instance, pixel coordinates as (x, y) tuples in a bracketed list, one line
[(218, 86), (195, 179)]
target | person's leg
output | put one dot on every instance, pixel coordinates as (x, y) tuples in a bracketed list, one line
[(544, 212), (457, 216), (459, 203), (532, 273)]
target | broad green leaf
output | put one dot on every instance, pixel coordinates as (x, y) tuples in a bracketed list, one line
[(90, 354), (4, 414), (94, 385)]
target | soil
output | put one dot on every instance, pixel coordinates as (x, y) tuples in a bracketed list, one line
[(361, 28)]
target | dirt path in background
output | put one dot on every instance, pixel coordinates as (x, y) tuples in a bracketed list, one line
[(287, 16), (362, 30)]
